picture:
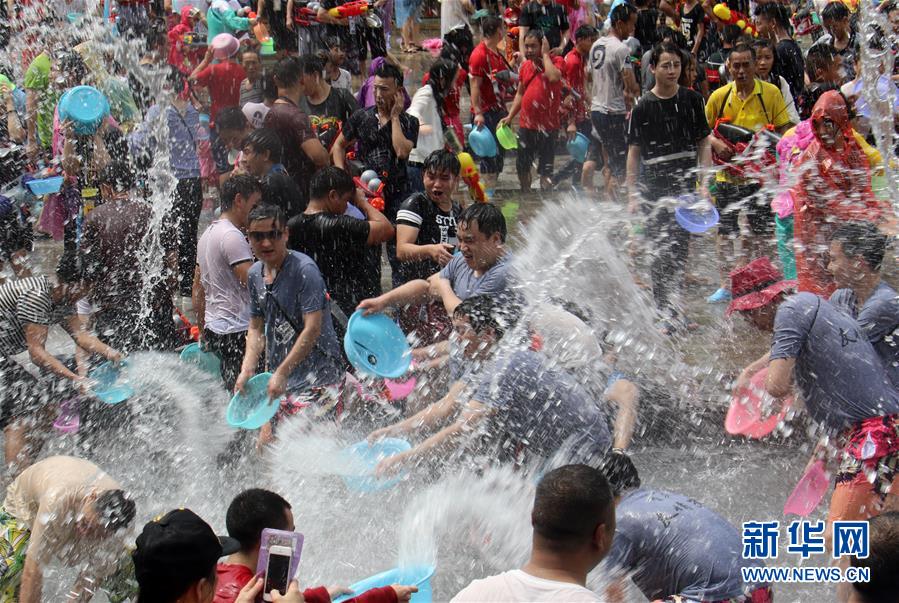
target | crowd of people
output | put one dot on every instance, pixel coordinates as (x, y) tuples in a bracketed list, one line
[(328, 167)]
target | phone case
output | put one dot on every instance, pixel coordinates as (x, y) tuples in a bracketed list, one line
[(292, 540)]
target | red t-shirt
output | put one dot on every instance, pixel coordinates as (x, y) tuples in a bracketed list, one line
[(541, 99), (232, 577), (223, 81), (574, 74), (483, 64)]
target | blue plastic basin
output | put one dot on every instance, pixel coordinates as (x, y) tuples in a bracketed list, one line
[(416, 575), (375, 345), (86, 106), (365, 457), (207, 361), (252, 409), (695, 217), (45, 186), (109, 388)]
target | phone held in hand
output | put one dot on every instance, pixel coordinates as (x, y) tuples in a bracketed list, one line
[(279, 558), (277, 572)]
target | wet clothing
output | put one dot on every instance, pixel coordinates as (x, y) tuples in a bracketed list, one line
[(327, 117), (14, 539), (294, 129), (841, 377), (485, 63), (221, 248), (465, 283), (25, 301), (338, 244), (609, 56), (517, 585), (550, 18), (541, 99), (879, 320), (540, 410), (375, 151), (232, 577), (434, 226), (690, 20), (790, 65), (47, 498), (223, 81), (834, 185), (671, 544), (870, 455), (298, 289), (278, 188), (668, 132), (539, 145)]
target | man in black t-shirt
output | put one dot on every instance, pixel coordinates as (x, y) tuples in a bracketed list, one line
[(261, 158), (426, 222), (336, 242), (668, 132), (327, 107), (549, 17)]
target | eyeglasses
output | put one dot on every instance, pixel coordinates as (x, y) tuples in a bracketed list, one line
[(259, 236)]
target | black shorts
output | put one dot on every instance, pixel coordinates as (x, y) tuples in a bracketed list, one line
[(731, 198), (536, 144), (371, 39), (612, 130)]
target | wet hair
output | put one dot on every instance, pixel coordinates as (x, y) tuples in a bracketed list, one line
[(268, 212), (619, 469), (489, 218), (819, 56), (329, 179), (743, 47), (862, 240), (458, 43), (287, 72), (570, 502), (622, 12), (444, 71), (490, 25), (731, 34), (231, 118), (265, 139), (115, 510), (252, 511), (269, 87), (238, 184), (389, 71), (311, 64), (441, 160), (118, 174), (535, 33), (776, 12), (72, 66), (585, 32), (835, 11), (882, 560), (665, 48), (485, 312)]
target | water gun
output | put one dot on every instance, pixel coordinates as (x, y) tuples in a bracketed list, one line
[(350, 9), (732, 17), (373, 187), (472, 178), (306, 14)]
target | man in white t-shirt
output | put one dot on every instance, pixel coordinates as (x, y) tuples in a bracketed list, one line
[(615, 88), (220, 295), (574, 522)]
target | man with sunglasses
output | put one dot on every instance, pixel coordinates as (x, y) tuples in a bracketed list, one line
[(290, 314)]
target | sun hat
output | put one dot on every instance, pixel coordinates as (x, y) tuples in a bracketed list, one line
[(756, 284), (224, 45)]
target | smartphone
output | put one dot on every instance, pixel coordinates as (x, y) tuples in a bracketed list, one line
[(277, 572)]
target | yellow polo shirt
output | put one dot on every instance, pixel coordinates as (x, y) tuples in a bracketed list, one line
[(764, 106)]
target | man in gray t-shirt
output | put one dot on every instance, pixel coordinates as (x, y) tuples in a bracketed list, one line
[(671, 545), (615, 88)]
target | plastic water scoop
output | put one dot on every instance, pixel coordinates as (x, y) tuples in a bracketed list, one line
[(809, 492), (375, 345), (252, 409), (207, 361), (108, 384), (695, 215), (577, 147), (418, 575), (482, 142), (744, 417), (362, 458)]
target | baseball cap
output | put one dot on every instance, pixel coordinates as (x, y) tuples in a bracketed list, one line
[(177, 549)]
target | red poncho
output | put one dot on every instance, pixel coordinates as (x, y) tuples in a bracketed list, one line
[(834, 187)]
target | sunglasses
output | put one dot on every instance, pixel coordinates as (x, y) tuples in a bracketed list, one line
[(259, 236)]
